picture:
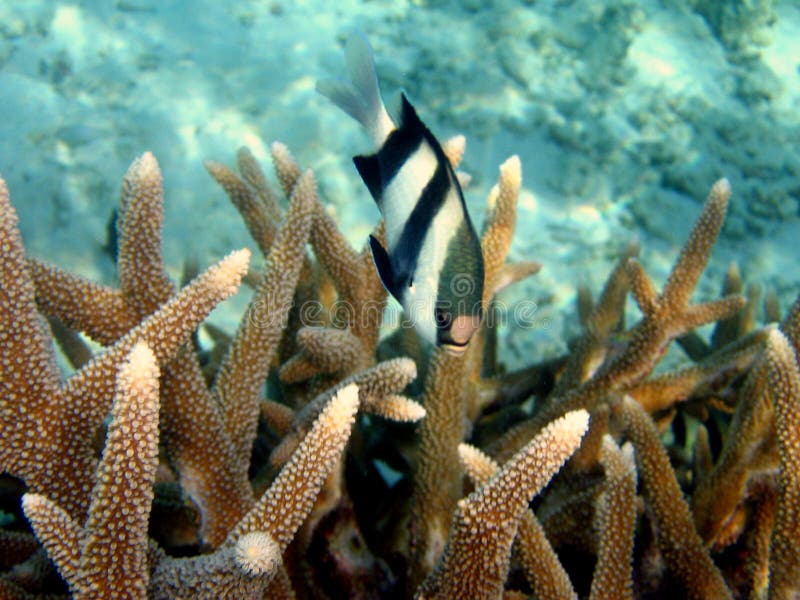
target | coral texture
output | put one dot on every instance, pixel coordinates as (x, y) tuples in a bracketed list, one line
[(282, 460)]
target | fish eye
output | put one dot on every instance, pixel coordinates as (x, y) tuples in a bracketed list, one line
[(443, 318)]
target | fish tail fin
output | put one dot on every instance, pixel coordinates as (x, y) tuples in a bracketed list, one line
[(360, 97)]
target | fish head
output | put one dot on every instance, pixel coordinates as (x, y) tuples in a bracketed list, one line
[(455, 330)]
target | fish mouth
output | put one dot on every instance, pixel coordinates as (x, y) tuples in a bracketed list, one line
[(455, 349), (456, 338)]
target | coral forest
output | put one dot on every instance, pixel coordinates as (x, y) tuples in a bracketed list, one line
[(307, 455)]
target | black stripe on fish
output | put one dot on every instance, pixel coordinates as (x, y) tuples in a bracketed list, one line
[(384, 266), (405, 254), (369, 167), (377, 170)]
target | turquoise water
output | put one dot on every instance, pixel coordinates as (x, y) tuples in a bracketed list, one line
[(623, 114)]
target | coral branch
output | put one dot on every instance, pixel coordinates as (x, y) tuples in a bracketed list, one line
[(616, 518), (682, 547), (475, 561), (784, 385), (537, 557)]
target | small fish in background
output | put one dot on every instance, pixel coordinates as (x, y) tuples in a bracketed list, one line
[(432, 263)]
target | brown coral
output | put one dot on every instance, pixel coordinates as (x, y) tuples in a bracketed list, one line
[(282, 406)]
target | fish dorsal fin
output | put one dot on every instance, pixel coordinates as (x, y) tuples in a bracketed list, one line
[(382, 263), (408, 115), (369, 167)]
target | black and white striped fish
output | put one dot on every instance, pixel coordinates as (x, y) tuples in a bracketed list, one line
[(432, 263)]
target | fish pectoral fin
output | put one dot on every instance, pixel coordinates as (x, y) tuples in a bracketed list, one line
[(382, 263), (369, 168)]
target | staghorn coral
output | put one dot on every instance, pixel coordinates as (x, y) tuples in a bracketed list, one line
[(64, 417), (476, 558), (143, 286), (247, 562), (678, 540), (540, 563), (361, 296), (666, 316), (784, 380), (76, 302), (108, 555), (284, 465), (616, 517)]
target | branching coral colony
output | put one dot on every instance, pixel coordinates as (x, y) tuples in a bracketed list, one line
[(277, 463)]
